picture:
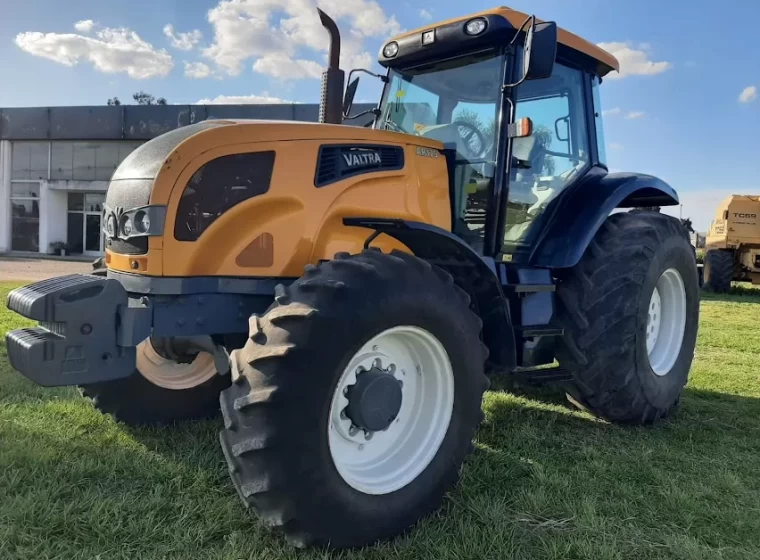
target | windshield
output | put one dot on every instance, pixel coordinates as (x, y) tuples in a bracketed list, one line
[(464, 89), (457, 103)]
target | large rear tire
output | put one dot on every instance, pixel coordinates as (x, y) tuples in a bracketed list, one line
[(164, 393), (719, 270), (302, 450), (630, 310)]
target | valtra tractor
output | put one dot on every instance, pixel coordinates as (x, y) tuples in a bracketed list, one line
[(345, 292)]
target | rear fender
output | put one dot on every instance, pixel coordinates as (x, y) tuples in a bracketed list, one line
[(470, 271), (583, 208)]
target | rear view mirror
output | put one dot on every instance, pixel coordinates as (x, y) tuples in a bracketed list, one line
[(353, 85), (540, 50), (562, 123), (348, 99)]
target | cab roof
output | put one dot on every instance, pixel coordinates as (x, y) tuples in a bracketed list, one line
[(605, 62)]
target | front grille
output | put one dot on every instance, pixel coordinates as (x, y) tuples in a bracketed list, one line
[(132, 246), (340, 162)]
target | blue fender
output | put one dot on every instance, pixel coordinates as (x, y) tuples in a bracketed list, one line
[(581, 210)]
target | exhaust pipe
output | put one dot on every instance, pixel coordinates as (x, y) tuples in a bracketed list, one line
[(333, 78)]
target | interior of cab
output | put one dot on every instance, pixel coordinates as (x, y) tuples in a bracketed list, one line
[(457, 103)]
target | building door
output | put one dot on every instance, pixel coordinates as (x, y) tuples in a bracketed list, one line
[(93, 236), (84, 235)]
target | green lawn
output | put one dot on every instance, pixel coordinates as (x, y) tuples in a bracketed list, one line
[(545, 481)]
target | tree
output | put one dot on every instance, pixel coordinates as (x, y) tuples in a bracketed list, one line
[(114, 101), (687, 224), (143, 98)]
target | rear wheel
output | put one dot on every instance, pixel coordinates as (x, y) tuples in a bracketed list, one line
[(630, 310), (719, 270), (354, 403), (161, 390)]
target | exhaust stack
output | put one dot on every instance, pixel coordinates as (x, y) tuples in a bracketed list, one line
[(333, 78)]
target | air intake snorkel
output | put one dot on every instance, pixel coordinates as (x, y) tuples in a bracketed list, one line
[(331, 106)]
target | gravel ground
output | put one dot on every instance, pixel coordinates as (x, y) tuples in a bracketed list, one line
[(28, 269)]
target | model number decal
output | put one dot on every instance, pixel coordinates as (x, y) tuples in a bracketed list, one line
[(427, 152), (744, 215)]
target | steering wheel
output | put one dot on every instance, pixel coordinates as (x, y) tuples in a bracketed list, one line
[(473, 138)]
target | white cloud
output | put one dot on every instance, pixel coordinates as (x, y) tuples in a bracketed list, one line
[(273, 31), (615, 146), (634, 61), (242, 100), (197, 70), (635, 115), (748, 94), (84, 26), (113, 50), (611, 112), (281, 66), (426, 15), (182, 41)]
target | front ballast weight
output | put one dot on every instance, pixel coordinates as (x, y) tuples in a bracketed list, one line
[(77, 341)]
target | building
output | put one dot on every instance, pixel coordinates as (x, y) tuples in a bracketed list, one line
[(55, 164)]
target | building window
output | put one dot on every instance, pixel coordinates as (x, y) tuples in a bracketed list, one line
[(29, 161), (25, 216), (87, 161)]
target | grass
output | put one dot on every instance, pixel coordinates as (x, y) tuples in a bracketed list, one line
[(546, 481)]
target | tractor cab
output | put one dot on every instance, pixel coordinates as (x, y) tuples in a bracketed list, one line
[(518, 115)]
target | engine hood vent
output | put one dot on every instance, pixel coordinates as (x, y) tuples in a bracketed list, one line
[(337, 162)]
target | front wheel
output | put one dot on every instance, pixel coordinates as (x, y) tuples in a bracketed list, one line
[(355, 400), (161, 390), (630, 310)]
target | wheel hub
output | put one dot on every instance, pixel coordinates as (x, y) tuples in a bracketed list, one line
[(391, 409), (666, 322), (374, 401)]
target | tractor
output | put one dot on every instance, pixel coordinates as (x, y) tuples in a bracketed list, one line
[(343, 293), (733, 244)]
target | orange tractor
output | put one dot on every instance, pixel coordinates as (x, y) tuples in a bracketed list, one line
[(345, 292)]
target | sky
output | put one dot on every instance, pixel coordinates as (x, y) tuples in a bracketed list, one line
[(685, 106)]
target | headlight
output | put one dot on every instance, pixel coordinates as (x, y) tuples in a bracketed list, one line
[(142, 222), (111, 226), (126, 227), (475, 26), (390, 50)]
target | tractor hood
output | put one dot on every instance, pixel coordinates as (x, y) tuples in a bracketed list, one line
[(148, 174)]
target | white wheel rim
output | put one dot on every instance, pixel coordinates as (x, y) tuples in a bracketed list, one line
[(170, 374), (391, 459), (666, 322)]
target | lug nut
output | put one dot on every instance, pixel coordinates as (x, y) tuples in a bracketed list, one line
[(368, 435), (352, 430), (377, 364)]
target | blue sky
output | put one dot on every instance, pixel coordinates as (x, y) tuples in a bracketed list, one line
[(676, 112)]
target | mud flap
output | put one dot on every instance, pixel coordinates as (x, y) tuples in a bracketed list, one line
[(76, 342)]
